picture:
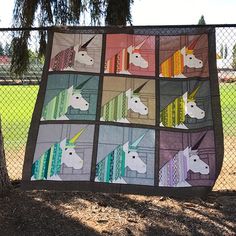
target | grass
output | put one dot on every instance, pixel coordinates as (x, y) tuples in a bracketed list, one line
[(228, 106), (16, 108)]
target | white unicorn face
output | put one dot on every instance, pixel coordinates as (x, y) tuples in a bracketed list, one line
[(192, 62), (194, 111), (78, 102), (196, 165), (135, 104), (69, 157), (83, 58), (132, 160), (138, 60)]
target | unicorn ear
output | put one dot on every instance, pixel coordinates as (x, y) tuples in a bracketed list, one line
[(186, 151), (63, 143), (126, 146)]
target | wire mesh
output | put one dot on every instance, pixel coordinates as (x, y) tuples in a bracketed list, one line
[(18, 96)]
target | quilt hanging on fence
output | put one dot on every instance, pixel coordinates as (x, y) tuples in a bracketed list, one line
[(130, 110)]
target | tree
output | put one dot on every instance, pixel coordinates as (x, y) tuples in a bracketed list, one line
[(234, 57), (201, 20), (5, 184), (226, 51), (29, 13), (8, 50), (1, 50)]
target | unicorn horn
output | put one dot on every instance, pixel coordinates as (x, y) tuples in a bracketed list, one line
[(193, 43), (83, 83), (137, 90), (195, 147), (72, 140), (84, 46), (141, 44), (137, 141), (192, 95)]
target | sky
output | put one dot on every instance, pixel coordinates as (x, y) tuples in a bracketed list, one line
[(166, 12)]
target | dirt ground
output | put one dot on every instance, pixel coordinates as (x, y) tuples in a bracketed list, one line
[(72, 213)]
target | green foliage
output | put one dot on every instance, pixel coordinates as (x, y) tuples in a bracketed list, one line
[(201, 20), (27, 13), (118, 12)]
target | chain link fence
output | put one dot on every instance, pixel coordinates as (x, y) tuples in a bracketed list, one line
[(18, 96)]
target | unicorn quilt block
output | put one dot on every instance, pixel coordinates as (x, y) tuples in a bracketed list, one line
[(189, 161), (185, 104), (64, 152), (184, 56), (70, 97), (127, 110), (130, 54), (127, 100), (76, 53), (127, 157)]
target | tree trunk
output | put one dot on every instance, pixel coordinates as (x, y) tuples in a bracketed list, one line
[(5, 183)]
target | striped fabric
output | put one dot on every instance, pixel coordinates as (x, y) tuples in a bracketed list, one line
[(112, 167), (116, 108), (63, 59), (173, 66), (174, 171), (57, 107), (49, 164), (174, 113), (119, 62)]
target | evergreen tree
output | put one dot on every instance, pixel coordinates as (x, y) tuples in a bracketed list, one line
[(226, 51), (201, 21), (29, 13), (1, 50)]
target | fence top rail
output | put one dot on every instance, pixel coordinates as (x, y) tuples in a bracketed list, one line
[(112, 27)]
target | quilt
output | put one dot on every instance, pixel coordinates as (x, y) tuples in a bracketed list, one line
[(127, 110)]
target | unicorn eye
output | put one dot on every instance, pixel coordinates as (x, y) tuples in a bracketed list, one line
[(190, 58), (133, 157), (77, 97), (70, 153), (136, 56), (192, 105), (128, 151), (66, 148), (82, 54), (195, 160), (135, 101), (206, 167)]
